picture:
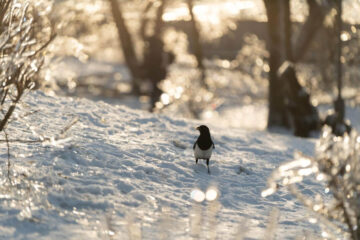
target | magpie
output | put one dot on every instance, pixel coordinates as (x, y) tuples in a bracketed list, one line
[(203, 146)]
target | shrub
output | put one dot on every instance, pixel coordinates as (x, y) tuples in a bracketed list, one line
[(25, 32), (337, 165)]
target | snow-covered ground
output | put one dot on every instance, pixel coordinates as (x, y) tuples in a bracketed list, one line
[(120, 173)]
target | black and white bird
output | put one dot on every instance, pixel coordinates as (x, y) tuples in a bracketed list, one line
[(204, 145)]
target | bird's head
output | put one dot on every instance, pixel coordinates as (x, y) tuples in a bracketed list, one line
[(203, 129)]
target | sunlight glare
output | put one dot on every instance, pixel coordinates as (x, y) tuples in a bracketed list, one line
[(266, 67), (267, 192), (301, 162), (197, 195), (178, 92), (165, 98), (176, 14), (207, 12), (225, 63), (320, 177), (325, 234), (348, 168), (317, 207), (211, 194), (345, 36), (313, 220), (307, 171)]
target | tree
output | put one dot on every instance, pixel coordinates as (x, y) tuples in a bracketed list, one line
[(127, 45), (155, 59), (289, 102), (198, 51), (314, 21), (287, 31), (277, 112), (336, 120)]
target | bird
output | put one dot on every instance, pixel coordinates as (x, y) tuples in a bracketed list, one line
[(203, 146)]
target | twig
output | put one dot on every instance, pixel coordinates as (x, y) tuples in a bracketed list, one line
[(21, 141), (25, 115), (348, 221), (43, 139), (52, 37), (7, 116), (4, 9), (8, 156), (72, 123), (270, 232)]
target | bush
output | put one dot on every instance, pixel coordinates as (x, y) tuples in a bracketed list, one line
[(25, 32), (337, 165)]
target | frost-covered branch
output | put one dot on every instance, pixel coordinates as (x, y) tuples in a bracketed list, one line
[(25, 32), (24, 35), (337, 166)]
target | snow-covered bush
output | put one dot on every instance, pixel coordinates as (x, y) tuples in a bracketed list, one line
[(25, 32), (336, 166), (24, 35)]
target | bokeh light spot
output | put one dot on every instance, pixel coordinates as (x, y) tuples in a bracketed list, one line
[(211, 194), (197, 195)]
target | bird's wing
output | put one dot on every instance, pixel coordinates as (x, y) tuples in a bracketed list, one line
[(194, 144)]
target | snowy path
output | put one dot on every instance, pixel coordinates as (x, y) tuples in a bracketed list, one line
[(121, 171)]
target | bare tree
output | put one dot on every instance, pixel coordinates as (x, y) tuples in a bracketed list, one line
[(289, 102), (339, 104), (313, 23), (277, 111), (127, 45), (145, 20), (198, 51), (287, 31), (155, 58)]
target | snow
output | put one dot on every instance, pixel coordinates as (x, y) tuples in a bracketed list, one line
[(119, 173)]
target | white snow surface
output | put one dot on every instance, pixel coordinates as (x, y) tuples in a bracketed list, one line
[(121, 173)]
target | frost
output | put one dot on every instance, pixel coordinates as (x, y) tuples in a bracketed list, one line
[(337, 165)]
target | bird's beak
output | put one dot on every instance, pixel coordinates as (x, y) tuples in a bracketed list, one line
[(197, 128)]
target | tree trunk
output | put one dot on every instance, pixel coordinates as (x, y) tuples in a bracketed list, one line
[(145, 20), (287, 30), (127, 45), (198, 51), (303, 115), (155, 64), (277, 113), (313, 22), (337, 120), (159, 22), (289, 102), (339, 104), (358, 227)]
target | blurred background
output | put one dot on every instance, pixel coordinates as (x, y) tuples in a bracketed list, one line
[(238, 63)]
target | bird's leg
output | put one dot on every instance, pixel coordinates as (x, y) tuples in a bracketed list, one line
[(196, 160), (207, 163)]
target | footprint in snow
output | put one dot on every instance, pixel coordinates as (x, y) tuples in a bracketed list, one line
[(242, 170)]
